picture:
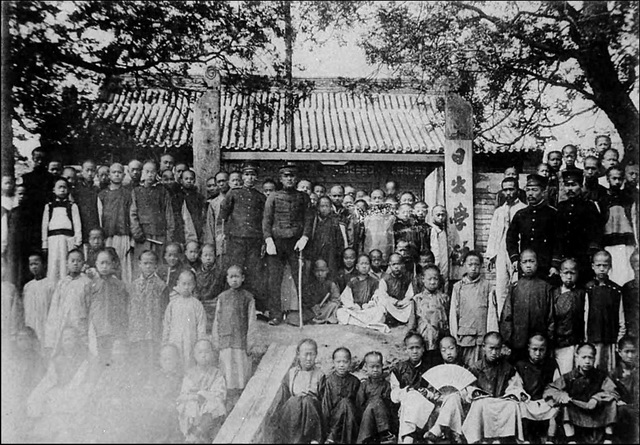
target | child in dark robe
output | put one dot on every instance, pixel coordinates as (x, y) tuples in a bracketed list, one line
[(604, 313), (568, 315), (356, 299), (404, 228), (395, 291), (587, 397), (420, 211), (374, 403), (630, 300), (339, 400), (527, 308), (377, 266), (348, 269), (321, 296), (207, 274), (625, 376), (192, 256), (172, 268), (431, 313), (300, 399), (326, 242), (234, 333), (95, 245)]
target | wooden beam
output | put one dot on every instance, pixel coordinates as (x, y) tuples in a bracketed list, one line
[(248, 420), (330, 157)]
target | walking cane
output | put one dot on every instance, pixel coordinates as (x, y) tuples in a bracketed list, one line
[(300, 287)]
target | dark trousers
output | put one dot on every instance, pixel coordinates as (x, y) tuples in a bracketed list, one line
[(275, 270), (245, 252)]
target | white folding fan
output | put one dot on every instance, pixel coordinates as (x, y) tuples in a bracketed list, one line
[(448, 375)]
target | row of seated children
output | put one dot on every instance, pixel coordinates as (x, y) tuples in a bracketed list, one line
[(495, 402)]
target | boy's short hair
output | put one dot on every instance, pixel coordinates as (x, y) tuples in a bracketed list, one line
[(569, 260), (348, 249), (614, 168), (149, 252), (207, 245), (98, 229), (569, 146), (601, 253), (109, 251), (455, 342), (60, 179), (613, 150), (472, 253), (514, 181), (269, 181), (554, 151), (585, 344), (432, 267), (78, 251), (363, 255), (38, 254), (374, 354), (376, 251), (341, 348), (310, 341), (538, 336), (174, 244), (529, 251), (191, 242), (235, 266), (602, 136), (411, 334), (493, 334), (627, 340), (189, 272), (541, 164)]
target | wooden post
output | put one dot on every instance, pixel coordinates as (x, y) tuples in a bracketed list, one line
[(458, 179), (206, 129), (288, 62)]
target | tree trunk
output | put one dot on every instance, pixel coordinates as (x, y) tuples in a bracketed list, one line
[(7, 110)]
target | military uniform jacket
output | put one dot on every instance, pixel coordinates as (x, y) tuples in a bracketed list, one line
[(242, 210), (578, 227), (535, 227), (287, 214)]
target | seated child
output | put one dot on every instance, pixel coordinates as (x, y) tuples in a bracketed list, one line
[(339, 400), (409, 389), (374, 403), (495, 396), (538, 371), (321, 297), (184, 320), (625, 377), (377, 267), (300, 399), (36, 297), (568, 315), (146, 311), (234, 332), (586, 396), (201, 403), (395, 291), (356, 299), (348, 270), (207, 274), (430, 317), (192, 255)]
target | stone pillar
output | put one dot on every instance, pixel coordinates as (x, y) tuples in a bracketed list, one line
[(206, 129), (458, 179)]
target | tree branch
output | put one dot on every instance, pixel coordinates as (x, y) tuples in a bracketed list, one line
[(558, 83)]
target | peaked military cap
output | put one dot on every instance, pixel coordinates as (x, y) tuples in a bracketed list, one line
[(535, 180), (574, 174)]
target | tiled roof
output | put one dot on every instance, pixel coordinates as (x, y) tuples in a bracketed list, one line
[(326, 121)]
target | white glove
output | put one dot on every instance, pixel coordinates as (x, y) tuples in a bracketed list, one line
[(271, 246), (300, 245)]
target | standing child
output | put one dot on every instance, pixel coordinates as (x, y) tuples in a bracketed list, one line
[(185, 319), (11, 314), (377, 266), (603, 313), (404, 229), (439, 243), (147, 310), (625, 377), (192, 256), (473, 310), (430, 317), (69, 303), (528, 308), (357, 307), (172, 267), (114, 205), (339, 401), (630, 300), (326, 241), (568, 315), (207, 274), (299, 399), (586, 396), (96, 244), (374, 403), (348, 269), (195, 205), (201, 404), (61, 230), (420, 212), (109, 307), (36, 297), (86, 196), (234, 332), (321, 296)]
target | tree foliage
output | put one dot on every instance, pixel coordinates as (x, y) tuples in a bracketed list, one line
[(531, 60)]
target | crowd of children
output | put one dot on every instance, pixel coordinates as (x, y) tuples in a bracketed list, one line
[(140, 263)]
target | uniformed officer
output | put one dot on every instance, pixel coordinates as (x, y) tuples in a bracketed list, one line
[(579, 228), (534, 227), (286, 227), (242, 211)]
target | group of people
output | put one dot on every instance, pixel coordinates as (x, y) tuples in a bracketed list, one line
[(137, 262)]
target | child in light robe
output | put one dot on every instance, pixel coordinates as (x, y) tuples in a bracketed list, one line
[(61, 230), (109, 307), (339, 401), (587, 397), (528, 308), (625, 376), (321, 297), (36, 297), (184, 320), (299, 401), (69, 304), (12, 313), (473, 310), (430, 314), (374, 403), (537, 371), (568, 315), (234, 332), (358, 307), (495, 396), (603, 313), (409, 389), (146, 311), (201, 403)]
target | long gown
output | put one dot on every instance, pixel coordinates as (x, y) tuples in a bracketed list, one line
[(184, 324), (339, 408)]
